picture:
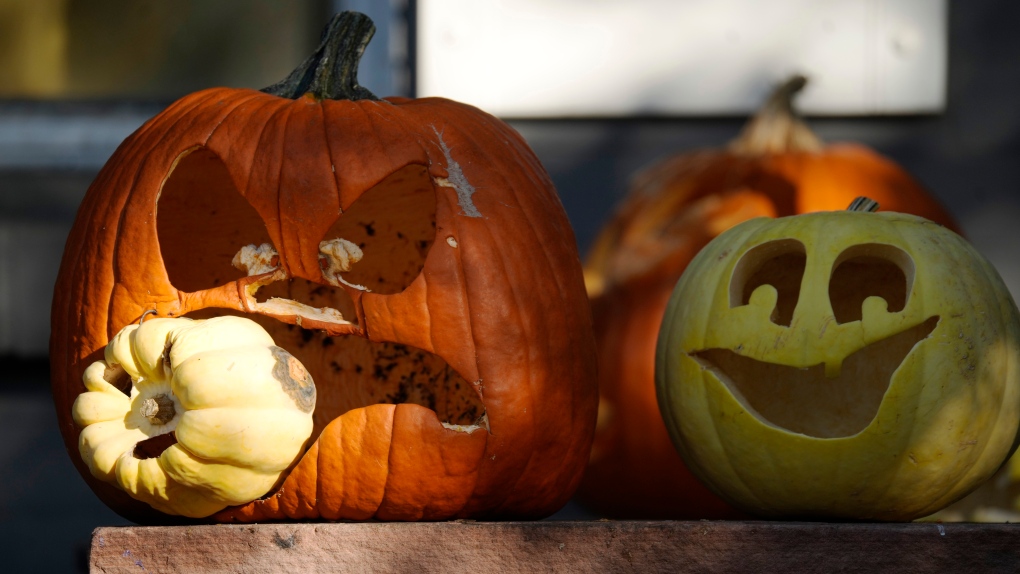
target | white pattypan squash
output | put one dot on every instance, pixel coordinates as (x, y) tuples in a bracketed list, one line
[(235, 410)]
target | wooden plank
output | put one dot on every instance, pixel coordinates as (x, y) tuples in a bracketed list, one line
[(589, 546)]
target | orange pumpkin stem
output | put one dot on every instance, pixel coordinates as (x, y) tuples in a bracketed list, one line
[(331, 72), (776, 127)]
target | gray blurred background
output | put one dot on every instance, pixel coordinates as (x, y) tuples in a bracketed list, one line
[(116, 63)]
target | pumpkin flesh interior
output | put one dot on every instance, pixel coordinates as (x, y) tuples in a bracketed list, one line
[(203, 221), (805, 400)]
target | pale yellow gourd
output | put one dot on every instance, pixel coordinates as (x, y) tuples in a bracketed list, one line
[(239, 407)]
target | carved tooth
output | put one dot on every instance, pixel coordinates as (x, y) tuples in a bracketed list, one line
[(256, 260), (339, 254)]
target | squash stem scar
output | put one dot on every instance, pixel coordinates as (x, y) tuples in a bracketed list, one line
[(159, 409)]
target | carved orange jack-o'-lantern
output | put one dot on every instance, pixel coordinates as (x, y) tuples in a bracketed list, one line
[(841, 365), (412, 254)]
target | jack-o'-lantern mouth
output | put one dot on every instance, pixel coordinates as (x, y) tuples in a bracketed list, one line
[(805, 400), (319, 324), (350, 370)]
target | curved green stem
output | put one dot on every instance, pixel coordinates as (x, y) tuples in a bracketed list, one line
[(331, 72)]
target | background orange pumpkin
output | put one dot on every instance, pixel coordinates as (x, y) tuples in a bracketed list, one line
[(776, 167), (454, 362)]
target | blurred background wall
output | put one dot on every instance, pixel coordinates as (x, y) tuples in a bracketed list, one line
[(77, 77)]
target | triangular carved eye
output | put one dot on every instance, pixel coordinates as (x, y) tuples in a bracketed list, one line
[(867, 270), (202, 221), (379, 244), (777, 263)]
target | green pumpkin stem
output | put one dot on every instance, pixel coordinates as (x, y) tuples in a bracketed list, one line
[(331, 72), (863, 204)]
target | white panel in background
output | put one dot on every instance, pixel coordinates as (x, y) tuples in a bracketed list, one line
[(570, 58)]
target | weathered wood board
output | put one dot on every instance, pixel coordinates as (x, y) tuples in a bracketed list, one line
[(588, 546)]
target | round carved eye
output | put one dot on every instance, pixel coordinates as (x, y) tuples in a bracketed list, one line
[(778, 263), (869, 270)]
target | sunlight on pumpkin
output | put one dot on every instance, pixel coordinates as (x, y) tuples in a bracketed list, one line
[(998, 499), (203, 222)]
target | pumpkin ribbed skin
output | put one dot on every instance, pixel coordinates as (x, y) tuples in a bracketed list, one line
[(865, 403), (500, 297), (777, 167)]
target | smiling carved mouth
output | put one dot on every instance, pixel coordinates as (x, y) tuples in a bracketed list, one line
[(804, 400)]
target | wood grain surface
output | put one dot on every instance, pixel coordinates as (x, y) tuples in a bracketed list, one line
[(554, 546)]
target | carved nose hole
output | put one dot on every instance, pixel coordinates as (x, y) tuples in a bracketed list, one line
[(202, 221), (867, 270), (386, 234), (777, 263)]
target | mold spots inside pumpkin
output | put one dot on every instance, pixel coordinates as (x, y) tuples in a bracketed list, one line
[(805, 400), (202, 221), (352, 372), (392, 227)]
